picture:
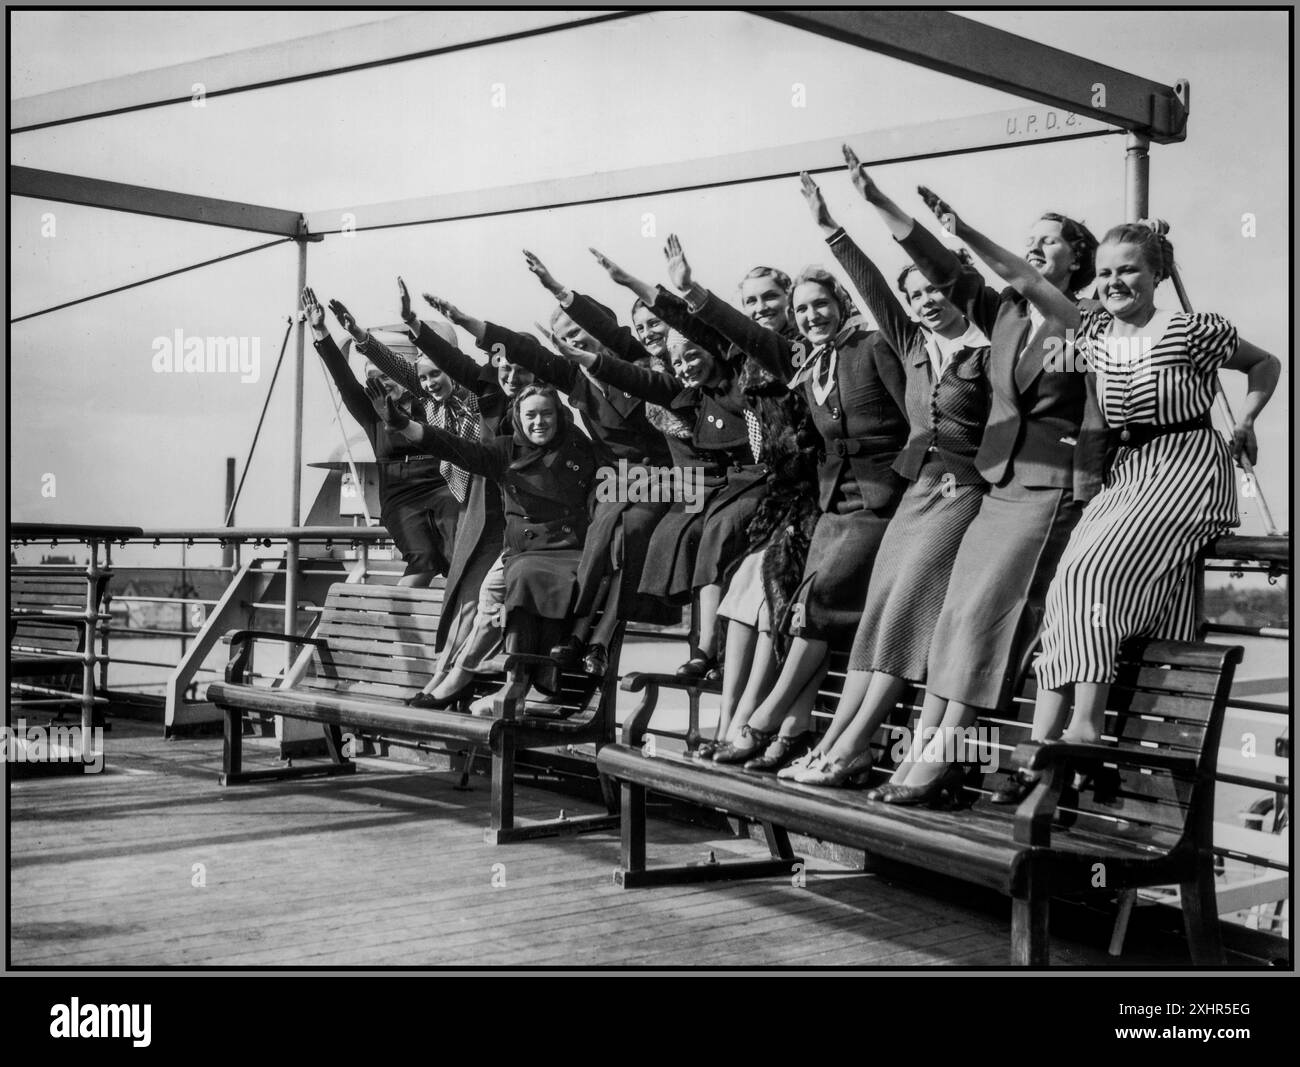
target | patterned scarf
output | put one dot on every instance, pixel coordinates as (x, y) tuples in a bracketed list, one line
[(458, 415)]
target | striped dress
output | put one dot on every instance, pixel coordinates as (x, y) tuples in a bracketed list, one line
[(1129, 569)]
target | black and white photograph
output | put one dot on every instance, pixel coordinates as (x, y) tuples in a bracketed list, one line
[(541, 490)]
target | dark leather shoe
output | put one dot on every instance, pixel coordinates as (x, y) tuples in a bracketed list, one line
[(697, 668), (428, 700), (596, 661), (782, 750), (568, 654), (1018, 786)]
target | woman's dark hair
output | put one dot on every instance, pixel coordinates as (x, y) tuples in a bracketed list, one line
[(960, 253), (537, 389), (779, 276), (1083, 243), (824, 278), (1155, 247)]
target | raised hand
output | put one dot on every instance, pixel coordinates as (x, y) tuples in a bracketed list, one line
[(384, 406), (347, 321), (616, 273), (816, 203), (407, 313), (313, 311), (867, 189), (568, 351), (679, 271), (445, 308), (543, 275), (943, 212)]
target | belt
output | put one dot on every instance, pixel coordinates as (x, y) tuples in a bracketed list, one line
[(852, 446), (408, 461), (1136, 434)]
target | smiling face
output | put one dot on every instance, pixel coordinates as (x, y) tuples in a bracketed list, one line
[(692, 364), (930, 307), (1050, 253), (513, 378), (538, 419), (373, 373), (765, 302), (435, 383), (574, 335), (651, 330), (1125, 282), (817, 313)]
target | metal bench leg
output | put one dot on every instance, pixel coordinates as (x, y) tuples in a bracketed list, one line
[(1127, 899), (1201, 916), (233, 772), (466, 768), (232, 749)]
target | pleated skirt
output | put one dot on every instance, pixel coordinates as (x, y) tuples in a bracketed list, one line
[(1130, 566), (993, 608), (838, 569), (910, 578)]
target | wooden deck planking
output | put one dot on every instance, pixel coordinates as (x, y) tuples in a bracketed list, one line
[(389, 868)]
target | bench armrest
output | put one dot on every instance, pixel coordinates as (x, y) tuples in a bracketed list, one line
[(640, 682), (636, 681), (241, 647), (1035, 756)]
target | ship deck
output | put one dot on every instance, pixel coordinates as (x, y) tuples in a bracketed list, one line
[(151, 863)]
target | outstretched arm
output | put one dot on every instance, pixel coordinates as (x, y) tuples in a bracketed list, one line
[(938, 264), (768, 348), (893, 322), (618, 339), (1011, 268), (668, 306), (470, 455), (353, 394), (655, 386)]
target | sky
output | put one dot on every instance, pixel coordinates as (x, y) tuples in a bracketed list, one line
[(129, 444)]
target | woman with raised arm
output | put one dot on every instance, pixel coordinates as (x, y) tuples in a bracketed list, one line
[(945, 360), (770, 411), (855, 390), (415, 503), (1038, 472), (620, 432), (1169, 492), (545, 471), (469, 631)]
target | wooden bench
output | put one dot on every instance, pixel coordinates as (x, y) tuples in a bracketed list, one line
[(53, 616), (1166, 712), (373, 647)]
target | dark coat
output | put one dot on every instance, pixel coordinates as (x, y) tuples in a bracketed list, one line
[(947, 416), (616, 421), (1041, 421), (861, 421), (544, 491)]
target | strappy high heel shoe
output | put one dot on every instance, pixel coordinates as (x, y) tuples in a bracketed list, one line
[(837, 774), (781, 751), (812, 756), (880, 792), (945, 790), (729, 752)]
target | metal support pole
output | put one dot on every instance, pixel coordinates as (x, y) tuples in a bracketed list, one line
[(1137, 178), (295, 492)]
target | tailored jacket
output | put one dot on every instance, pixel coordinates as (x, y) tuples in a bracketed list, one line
[(1042, 421), (543, 490), (617, 422), (947, 413), (861, 420)]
